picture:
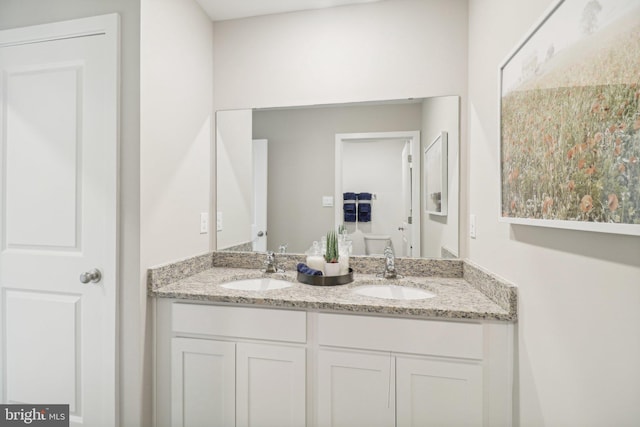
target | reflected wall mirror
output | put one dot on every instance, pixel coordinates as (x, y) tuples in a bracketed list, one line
[(285, 176)]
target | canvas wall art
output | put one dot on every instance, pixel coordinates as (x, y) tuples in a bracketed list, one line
[(570, 120)]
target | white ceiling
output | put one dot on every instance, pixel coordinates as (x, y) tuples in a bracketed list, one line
[(220, 10)]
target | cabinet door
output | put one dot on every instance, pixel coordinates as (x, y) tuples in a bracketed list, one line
[(202, 383), (438, 393), (355, 389), (270, 385)]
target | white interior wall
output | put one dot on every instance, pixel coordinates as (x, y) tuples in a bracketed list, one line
[(578, 332), (176, 119), (134, 403), (234, 193), (384, 50), (175, 128), (442, 114)]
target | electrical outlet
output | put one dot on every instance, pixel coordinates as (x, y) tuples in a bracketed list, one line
[(472, 226), (204, 222), (219, 221)]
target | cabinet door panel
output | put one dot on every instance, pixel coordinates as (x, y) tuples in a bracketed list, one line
[(355, 389), (438, 393), (203, 383), (270, 385)]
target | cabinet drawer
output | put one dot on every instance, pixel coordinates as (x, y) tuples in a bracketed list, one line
[(429, 337), (239, 322)]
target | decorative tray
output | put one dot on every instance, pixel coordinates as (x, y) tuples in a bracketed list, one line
[(326, 280)]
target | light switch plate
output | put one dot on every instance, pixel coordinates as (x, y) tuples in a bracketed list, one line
[(219, 221), (204, 222), (472, 226), (327, 201)]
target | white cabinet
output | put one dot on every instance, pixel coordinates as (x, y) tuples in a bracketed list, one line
[(438, 393), (355, 389), (270, 385), (394, 372), (203, 383), (240, 366), (386, 390), (232, 366)]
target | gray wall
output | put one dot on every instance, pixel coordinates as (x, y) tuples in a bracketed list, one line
[(302, 163), (442, 114), (578, 330)]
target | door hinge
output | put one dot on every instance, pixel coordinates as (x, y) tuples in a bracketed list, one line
[(409, 158), (410, 220)]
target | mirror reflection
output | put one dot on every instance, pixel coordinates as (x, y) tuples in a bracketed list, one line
[(285, 176)]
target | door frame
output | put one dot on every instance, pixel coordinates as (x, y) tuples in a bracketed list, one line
[(108, 26), (414, 141), (260, 193)]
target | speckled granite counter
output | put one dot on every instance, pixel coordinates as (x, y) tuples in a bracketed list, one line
[(482, 296)]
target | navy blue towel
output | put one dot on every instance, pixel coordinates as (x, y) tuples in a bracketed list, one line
[(305, 269), (349, 212), (349, 207), (364, 207), (364, 212)]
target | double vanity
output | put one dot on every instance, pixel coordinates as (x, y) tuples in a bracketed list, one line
[(236, 347)]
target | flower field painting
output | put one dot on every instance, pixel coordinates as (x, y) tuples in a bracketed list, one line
[(570, 120)]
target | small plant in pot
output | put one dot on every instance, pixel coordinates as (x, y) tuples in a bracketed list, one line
[(331, 266)]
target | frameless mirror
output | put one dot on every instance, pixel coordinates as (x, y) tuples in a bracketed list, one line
[(286, 176)]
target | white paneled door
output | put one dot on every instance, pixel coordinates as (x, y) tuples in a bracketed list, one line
[(58, 216)]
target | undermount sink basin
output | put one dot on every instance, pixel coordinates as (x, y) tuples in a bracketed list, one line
[(261, 284), (393, 292)]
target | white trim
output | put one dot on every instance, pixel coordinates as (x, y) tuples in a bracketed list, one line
[(414, 139), (92, 26)]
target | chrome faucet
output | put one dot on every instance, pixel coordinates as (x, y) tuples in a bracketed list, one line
[(389, 264), (270, 264)]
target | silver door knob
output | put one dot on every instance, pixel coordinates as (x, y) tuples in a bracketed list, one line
[(92, 276), (260, 234), (401, 228)]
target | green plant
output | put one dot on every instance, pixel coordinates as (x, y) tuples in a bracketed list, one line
[(331, 254)]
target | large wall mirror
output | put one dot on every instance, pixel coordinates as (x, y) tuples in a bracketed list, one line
[(285, 176)]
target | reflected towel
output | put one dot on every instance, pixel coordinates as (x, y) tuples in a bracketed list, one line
[(364, 207), (349, 212), (305, 269)]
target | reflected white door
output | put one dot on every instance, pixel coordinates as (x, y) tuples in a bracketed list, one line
[(406, 226), (260, 168), (58, 165)]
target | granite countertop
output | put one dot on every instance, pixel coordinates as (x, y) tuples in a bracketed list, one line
[(456, 298)]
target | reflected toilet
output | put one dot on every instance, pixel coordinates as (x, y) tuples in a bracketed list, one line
[(374, 244)]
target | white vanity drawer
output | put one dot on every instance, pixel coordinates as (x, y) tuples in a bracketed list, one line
[(429, 337), (240, 322)]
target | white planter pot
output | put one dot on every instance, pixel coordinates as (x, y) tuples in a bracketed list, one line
[(331, 269)]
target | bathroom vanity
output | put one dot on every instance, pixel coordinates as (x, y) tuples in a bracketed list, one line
[(326, 356)]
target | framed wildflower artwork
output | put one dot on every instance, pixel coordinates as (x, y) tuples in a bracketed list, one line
[(570, 120)]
